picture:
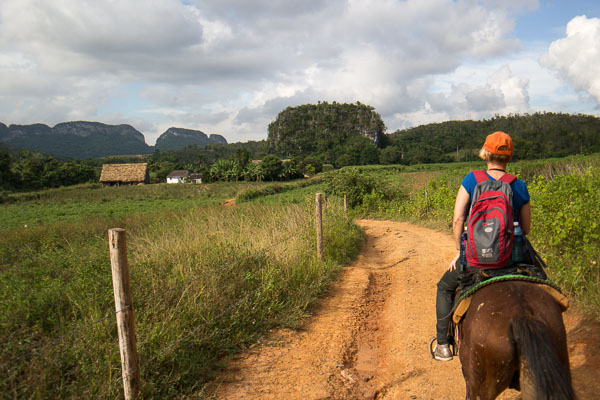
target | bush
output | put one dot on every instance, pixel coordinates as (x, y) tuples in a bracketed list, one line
[(566, 230), (360, 187)]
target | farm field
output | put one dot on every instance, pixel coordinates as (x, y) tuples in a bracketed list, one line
[(209, 280), (76, 203)]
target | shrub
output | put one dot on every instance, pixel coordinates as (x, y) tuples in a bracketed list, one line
[(355, 184), (566, 230)]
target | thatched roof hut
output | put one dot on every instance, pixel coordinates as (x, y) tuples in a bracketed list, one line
[(124, 174)]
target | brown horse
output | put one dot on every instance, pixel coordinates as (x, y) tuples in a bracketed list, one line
[(513, 336)]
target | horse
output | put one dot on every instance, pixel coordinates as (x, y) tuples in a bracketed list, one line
[(513, 336)]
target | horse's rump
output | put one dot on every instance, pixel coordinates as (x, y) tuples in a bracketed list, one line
[(513, 335)]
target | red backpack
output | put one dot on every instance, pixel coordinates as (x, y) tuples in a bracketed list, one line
[(490, 234)]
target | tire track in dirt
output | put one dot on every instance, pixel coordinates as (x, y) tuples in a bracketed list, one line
[(368, 339)]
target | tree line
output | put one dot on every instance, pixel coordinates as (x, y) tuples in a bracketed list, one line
[(33, 171), (314, 137)]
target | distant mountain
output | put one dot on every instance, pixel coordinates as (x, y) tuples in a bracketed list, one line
[(78, 139), (82, 139), (177, 138)]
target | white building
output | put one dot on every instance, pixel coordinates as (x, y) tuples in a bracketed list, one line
[(178, 176)]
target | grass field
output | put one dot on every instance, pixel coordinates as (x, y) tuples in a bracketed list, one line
[(74, 203), (208, 280)]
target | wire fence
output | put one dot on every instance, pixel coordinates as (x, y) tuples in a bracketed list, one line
[(39, 349)]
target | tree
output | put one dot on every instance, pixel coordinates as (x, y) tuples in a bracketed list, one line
[(225, 170), (242, 157), (369, 154), (7, 178), (289, 171), (390, 155), (272, 167), (254, 172)]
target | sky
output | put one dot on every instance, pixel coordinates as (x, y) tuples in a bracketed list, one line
[(228, 67)]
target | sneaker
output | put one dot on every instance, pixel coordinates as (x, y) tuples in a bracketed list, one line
[(442, 352)]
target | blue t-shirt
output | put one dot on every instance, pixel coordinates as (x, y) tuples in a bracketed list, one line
[(519, 188)]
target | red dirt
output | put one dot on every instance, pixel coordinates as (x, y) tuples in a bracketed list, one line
[(368, 340)]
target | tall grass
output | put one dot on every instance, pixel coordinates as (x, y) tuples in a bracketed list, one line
[(205, 282)]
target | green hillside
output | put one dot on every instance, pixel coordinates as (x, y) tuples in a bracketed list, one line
[(536, 136), (340, 134)]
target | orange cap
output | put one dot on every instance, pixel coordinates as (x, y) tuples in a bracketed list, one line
[(499, 143)]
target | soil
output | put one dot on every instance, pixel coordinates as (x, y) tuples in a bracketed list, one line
[(369, 338)]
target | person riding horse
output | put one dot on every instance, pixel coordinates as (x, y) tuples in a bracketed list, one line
[(497, 151)]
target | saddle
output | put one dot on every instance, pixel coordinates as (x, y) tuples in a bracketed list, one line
[(525, 273)]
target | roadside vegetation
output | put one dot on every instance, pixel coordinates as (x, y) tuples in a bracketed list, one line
[(565, 209), (206, 281)]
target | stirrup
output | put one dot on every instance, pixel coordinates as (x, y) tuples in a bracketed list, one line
[(433, 343)]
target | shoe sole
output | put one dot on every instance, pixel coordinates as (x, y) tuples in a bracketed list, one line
[(442, 358)]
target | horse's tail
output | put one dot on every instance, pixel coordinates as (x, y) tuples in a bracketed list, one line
[(551, 379)]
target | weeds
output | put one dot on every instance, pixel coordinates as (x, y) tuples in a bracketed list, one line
[(205, 282)]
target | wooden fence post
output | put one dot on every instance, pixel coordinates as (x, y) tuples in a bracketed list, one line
[(346, 204), (319, 224), (124, 313)]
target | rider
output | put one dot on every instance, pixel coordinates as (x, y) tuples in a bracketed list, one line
[(496, 152)]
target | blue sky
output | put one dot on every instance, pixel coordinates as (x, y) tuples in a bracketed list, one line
[(548, 22), (229, 67)]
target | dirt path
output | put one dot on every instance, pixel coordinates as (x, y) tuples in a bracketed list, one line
[(369, 338)]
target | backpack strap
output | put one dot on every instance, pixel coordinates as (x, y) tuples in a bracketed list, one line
[(480, 176), (508, 178)]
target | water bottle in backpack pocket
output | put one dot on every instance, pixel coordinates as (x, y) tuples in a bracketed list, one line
[(517, 250)]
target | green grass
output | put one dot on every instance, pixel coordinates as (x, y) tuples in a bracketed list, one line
[(274, 190), (206, 281), (71, 204)]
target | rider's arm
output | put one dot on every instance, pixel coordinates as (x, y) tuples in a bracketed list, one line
[(525, 218), (460, 214)]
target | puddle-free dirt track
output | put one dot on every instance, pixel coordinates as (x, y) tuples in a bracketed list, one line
[(368, 339)]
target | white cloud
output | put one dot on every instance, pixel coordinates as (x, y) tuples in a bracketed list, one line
[(499, 93), (577, 56), (229, 66)]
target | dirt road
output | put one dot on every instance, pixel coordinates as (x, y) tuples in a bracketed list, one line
[(369, 338)]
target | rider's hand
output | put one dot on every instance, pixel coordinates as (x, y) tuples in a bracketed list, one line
[(452, 265)]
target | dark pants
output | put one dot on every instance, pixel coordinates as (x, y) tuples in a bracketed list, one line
[(443, 304)]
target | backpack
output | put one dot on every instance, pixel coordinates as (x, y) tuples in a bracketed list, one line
[(489, 229)]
